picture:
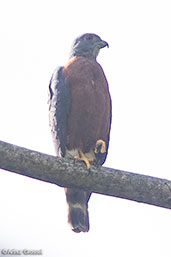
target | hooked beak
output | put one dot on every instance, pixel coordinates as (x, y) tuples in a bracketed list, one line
[(102, 44)]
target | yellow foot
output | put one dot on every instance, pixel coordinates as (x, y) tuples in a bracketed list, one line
[(102, 144), (83, 158)]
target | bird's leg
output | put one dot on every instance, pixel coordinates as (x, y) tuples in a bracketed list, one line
[(83, 158), (101, 143)]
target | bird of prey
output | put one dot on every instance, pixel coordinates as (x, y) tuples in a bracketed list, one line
[(80, 117)]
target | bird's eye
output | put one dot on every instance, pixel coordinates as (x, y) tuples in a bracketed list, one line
[(89, 37)]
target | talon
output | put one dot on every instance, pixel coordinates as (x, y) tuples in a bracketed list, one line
[(103, 146), (83, 158)]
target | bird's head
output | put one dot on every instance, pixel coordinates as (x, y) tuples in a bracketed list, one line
[(87, 45)]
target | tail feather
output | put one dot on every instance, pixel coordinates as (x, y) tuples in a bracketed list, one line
[(78, 217)]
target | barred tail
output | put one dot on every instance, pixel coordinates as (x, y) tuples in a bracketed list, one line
[(78, 217)]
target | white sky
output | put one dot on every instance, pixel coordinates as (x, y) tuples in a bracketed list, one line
[(36, 36)]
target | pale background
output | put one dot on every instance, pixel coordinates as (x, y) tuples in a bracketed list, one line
[(36, 36)]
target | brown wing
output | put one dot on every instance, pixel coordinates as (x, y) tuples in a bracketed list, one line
[(90, 115)]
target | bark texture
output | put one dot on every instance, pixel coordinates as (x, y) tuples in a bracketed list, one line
[(68, 173)]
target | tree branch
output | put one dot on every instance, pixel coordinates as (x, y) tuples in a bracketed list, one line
[(68, 173)]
